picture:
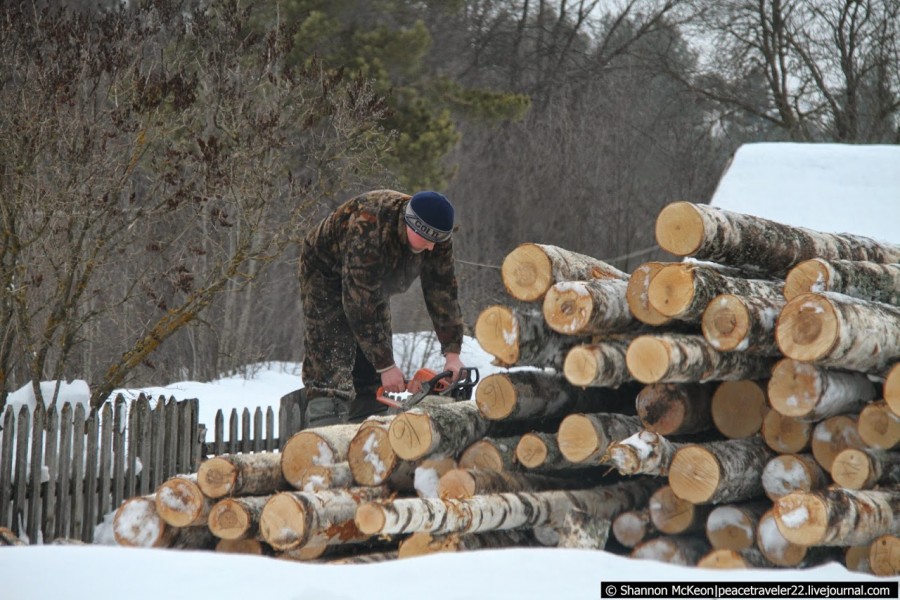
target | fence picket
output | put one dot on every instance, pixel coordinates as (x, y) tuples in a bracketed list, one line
[(63, 488), (257, 430), (90, 476), (184, 438), (50, 501), (20, 485), (78, 500), (245, 430), (219, 433), (232, 444), (6, 466), (270, 429), (198, 433), (119, 452), (146, 454), (104, 476)]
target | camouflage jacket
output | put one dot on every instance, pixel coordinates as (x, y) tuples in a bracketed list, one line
[(362, 247)]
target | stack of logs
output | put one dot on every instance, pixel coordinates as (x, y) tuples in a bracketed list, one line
[(740, 408)]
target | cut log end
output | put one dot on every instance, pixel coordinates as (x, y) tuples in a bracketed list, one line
[(738, 408), (370, 518), (672, 289), (625, 458), (411, 435), (637, 298), (567, 308), (787, 435), (694, 474), (794, 388), (531, 451), (801, 518), (726, 322), (580, 367), (647, 359), (496, 396), (370, 456), (179, 502), (483, 454), (228, 520), (892, 389), (807, 276), (282, 522), (578, 438), (217, 477), (853, 469), (497, 331), (884, 556), (807, 328), (679, 229), (456, 484), (527, 273), (723, 558), (878, 426), (670, 514)]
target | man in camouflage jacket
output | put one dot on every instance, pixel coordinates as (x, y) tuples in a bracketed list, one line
[(370, 248)]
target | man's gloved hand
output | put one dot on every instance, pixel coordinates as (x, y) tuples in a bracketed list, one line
[(393, 380)]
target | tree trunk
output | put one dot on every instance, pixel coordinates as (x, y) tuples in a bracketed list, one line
[(244, 546), (458, 484), (857, 469), (675, 408), (723, 558), (499, 511), (785, 435), (181, 503), (241, 475), (637, 294), (860, 279), (673, 516), (709, 233), (492, 454), (237, 518), (683, 290), (538, 450), (675, 550), (719, 472), (595, 307), (295, 519), (428, 475), (683, 358), (878, 426), (632, 527), (742, 323), (839, 331), (831, 436), (421, 543), (884, 556), (838, 517), (325, 477), (805, 391), (598, 365), (645, 452), (317, 446), (584, 438), (439, 430), (739, 407), (892, 389), (733, 526), (531, 269), (790, 473), (522, 337)]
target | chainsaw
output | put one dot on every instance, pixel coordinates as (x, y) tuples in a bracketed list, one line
[(427, 382)]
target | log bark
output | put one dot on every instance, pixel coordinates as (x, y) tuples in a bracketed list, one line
[(241, 475), (584, 438), (645, 452), (733, 526), (370, 558), (892, 389), (295, 519), (439, 430), (878, 426), (683, 290), (637, 294), (595, 307), (744, 324), (672, 515), (421, 543), (317, 446), (325, 477), (860, 279), (785, 435), (675, 550), (525, 394), (428, 475), (598, 365), (833, 435), (463, 483), (812, 393), (499, 511), (833, 330), (838, 516), (683, 358), (237, 518), (522, 337), (537, 450), (739, 407), (719, 472), (181, 503), (632, 527), (492, 454), (675, 408), (857, 469), (723, 558), (790, 473), (710, 233), (244, 546), (583, 531), (531, 269), (884, 556)]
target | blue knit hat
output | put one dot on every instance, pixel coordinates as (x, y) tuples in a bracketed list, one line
[(430, 215)]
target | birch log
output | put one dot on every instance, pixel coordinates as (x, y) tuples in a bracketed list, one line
[(838, 331), (244, 546), (522, 337), (598, 365), (530, 270), (464, 483), (524, 394), (719, 472), (632, 527), (884, 556), (325, 477), (856, 558), (595, 307), (428, 473), (499, 511), (136, 523), (421, 543), (812, 393), (584, 438), (892, 389), (675, 408), (790, 473), (537, 450), (241, 475), (637, 294), (645, 452), (833, 435), (490, 453), (683, 358), (236, 518), (739, 407), (672, 515), (733, 526), (371, 458), (723, 558), (878, 426), (683, 290), (838, 516), (860, 279), (857, 469), (744, 324), (675, 550), (775, 547), (785, 435), (710, 233), (181, 503), (439, 430), (316, 446)]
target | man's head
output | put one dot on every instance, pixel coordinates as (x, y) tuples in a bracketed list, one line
[(429, 216)]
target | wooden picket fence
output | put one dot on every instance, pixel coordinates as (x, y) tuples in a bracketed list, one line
[(63, 470)]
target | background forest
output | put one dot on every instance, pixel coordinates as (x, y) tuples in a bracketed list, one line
[(160, 160)]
